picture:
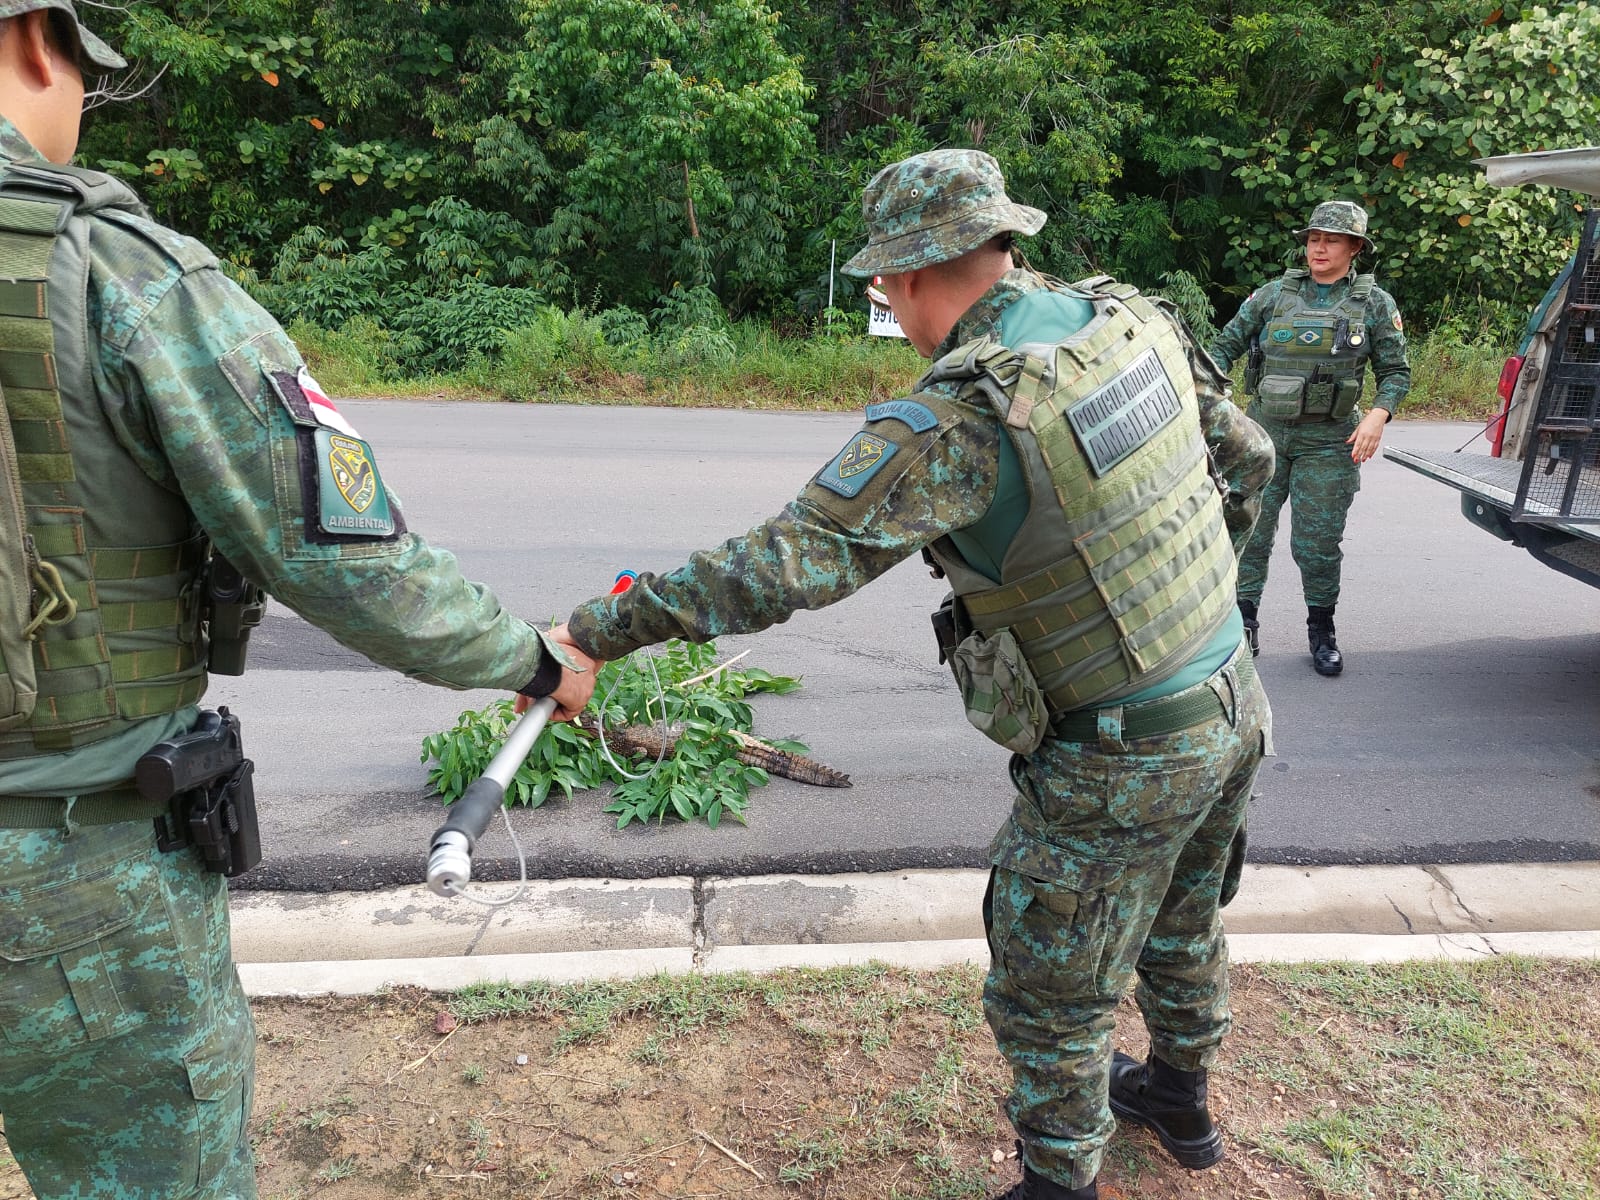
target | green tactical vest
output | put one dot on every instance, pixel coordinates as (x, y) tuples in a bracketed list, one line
[(108, 596), (1122, 570), (1313, 358)]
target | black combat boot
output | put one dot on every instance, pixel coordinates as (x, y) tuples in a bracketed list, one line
[(1170, 1102), (1325, 654), (1252, 627), (1035, 1186)]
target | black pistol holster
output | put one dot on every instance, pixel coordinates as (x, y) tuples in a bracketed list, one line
[(1255, 360), (205, 779), (233, 607), (951, 626)]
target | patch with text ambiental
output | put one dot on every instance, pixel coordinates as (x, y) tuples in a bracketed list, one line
[(851, 469), (351, 500)]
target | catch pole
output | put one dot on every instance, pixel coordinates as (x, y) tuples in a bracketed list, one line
[(450, 852)]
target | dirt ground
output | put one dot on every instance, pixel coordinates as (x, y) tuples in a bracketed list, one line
[(880, 1084), (766, 1105)]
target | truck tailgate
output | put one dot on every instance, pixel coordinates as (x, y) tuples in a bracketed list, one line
[(1481, 476)]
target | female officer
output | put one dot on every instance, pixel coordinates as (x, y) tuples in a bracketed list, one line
[(1309, 337)]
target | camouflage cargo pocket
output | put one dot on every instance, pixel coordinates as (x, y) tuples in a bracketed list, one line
[(1001, 696), (1233, 873), (1051, 920), (86, 958), (219, 1073)]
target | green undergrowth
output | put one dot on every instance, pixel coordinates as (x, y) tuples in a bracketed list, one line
[(566, 360)]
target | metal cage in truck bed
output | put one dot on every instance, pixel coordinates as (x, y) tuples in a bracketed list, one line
[(1540, 488)]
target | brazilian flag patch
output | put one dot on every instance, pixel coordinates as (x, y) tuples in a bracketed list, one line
[(351, 500), (862, 457)]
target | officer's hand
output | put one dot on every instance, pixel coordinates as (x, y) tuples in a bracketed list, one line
[(1364, 441), (575, 688)]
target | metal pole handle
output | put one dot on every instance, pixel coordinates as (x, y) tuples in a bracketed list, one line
[(450, 853)]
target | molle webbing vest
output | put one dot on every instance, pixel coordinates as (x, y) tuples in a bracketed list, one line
[(1122, 570), (99, 595), (1325, 348)]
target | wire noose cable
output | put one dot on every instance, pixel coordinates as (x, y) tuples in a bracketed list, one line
[(605, 751)]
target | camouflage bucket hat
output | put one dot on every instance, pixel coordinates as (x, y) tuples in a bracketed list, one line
[(933, 207), (1339, 216), (92, 51)]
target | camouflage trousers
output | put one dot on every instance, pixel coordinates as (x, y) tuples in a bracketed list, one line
[(128, 1049), (1319, 479), (1115, 860)]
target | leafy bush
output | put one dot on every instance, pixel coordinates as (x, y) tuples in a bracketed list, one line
[(1404, 144), (470, 321), (316, 278), (1184, 290), (622, 326), (360, 355), (555, 351), (701, 780)]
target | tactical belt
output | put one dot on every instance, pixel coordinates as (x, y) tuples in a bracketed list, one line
[(1152, 718), (106, 807)]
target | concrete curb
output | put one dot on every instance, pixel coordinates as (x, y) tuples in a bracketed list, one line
[(365, 976), (571, 930)]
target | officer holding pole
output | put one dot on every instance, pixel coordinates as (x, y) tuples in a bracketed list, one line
[(168, 460)]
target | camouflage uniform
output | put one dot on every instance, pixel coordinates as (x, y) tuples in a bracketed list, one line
[(1118, 852), (126, 1066), (1314, 470)]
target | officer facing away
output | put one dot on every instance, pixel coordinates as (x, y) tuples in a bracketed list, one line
[(1072, 466), (1310, 337), (155, 419)]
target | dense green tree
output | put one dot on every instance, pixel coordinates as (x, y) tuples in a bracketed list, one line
[(416, 163), (673, 135)]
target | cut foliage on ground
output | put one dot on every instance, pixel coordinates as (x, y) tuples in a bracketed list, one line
[(1340, 1082), (699, 763)]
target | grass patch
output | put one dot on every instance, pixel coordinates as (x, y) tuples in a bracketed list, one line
[(1434, 1081), (1452, 381)]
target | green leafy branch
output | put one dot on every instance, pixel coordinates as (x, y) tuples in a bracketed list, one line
[(702, 771)]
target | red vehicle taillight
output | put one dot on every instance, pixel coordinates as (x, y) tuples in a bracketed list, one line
[(1508, 385)]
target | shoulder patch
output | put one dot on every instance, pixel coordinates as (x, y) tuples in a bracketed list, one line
[(351, 498), (1398, 323), (342, 492), (919, 417), (862, 457)]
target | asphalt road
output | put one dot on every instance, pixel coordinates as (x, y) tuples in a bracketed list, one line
[(1463, 729)]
